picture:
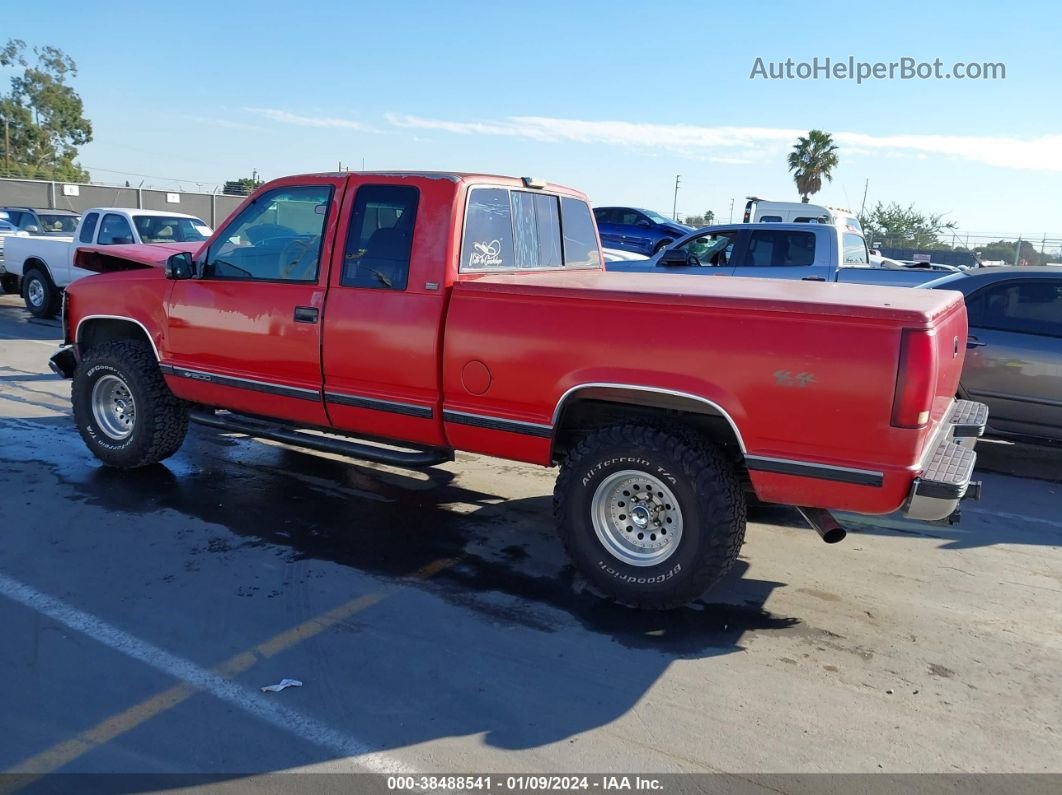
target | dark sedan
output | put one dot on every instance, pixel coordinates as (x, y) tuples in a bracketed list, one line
[(1014, 353), (637, 230)]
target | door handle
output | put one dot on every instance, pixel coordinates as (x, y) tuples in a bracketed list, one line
[(973, 342), (813, 279), (306, 314)]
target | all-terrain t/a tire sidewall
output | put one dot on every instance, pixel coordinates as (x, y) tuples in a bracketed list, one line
[(159, 423), (46, 307), (708, 494)]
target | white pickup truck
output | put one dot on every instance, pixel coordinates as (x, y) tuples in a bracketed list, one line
[(814, 252), (45, 265)]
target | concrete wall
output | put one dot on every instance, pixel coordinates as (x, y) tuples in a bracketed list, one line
[(212, 208)]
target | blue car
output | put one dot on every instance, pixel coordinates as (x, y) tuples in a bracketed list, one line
[(637, 230)]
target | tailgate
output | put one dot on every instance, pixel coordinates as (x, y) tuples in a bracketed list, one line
[(950, 338)]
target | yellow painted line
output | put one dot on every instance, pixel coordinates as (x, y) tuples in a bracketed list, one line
[(65, 752)]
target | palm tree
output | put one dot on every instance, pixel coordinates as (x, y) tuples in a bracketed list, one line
[(813, 159)]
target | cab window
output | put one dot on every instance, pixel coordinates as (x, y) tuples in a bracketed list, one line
[(380, 237), (115, 230), (778, 249), (709, 250), (855, 250), (275, 238), (88, 228)]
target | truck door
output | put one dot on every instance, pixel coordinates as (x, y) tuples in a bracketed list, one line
[(386, 303), (783, 254), (246, 334)]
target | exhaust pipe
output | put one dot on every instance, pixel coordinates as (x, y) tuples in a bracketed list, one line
[(824, 524)]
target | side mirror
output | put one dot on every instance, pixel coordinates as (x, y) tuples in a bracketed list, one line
[(673, 256), (180, 266), (32, 229)]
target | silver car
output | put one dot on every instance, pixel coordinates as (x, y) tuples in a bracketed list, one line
[(1014, 353)]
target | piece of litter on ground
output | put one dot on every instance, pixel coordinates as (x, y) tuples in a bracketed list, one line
[(281, 685)]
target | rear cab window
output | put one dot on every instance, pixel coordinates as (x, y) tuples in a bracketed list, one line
[(88, 228), (855, 250), (511, 229)]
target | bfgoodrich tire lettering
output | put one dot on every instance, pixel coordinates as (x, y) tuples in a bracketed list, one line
[(159, 420), (710, 504)]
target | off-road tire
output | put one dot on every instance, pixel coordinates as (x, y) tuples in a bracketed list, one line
[(49, 304), (160, 420), (706, 486)]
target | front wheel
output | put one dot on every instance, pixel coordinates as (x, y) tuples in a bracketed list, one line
[(661, 246), (651, 517), (40, 295), (124, 411)]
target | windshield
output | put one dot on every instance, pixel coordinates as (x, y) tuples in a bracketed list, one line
[(167, 229), (657, 218), (58, 224)]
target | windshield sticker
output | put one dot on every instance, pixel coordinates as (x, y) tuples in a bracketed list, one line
[(485, 255)]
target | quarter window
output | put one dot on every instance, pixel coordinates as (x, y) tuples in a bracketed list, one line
[(508, 230), (275, 238), (380, 237), (115, 230)]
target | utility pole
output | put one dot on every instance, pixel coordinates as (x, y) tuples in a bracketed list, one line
[(731, 211), (1017, 252), (866, 185), (7, 146), (674, 207)]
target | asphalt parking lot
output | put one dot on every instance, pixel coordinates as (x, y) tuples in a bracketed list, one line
[(436, 626)]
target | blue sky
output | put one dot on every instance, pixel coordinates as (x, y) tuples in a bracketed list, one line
[(614, 98)]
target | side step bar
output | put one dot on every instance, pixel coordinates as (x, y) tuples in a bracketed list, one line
[(236, 423)]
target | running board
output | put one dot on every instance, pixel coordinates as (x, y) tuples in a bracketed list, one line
[(235, 423)]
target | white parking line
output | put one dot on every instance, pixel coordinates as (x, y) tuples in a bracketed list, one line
[(264, 708), (1014, 517), (49, 343)]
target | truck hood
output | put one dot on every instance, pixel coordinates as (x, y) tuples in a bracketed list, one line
[(104, 259)]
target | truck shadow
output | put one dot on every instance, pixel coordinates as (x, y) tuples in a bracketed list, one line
[(517, 648)]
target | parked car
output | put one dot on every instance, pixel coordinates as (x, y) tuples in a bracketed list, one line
[(1014, 361), (49, 223), (637, 230), (46, 265), (8, 281), (811, 252), (761, 211), (444, 312)]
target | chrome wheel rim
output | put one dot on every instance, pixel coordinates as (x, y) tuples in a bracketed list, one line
[(35, 292), (637, 518), (113, 407)]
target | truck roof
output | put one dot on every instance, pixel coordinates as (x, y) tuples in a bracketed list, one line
[(452, 176)]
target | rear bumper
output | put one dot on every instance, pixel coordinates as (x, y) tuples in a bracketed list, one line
[(947, 476)]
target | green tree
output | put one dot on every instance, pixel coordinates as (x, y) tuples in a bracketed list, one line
[(709, 217), (812, 160), (904, 227), (43, 116), (241, 187)]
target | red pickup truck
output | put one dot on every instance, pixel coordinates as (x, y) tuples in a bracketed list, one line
[(398, 317)]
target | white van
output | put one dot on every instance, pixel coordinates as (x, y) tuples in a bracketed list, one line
[(762, 211)]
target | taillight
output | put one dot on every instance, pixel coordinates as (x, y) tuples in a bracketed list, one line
[(916, 381)]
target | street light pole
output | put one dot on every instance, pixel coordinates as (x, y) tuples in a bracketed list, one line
[(674, 207), (731, 211)]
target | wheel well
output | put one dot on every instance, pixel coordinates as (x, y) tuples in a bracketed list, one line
[(34, 264), (595, 408), (93, 333)]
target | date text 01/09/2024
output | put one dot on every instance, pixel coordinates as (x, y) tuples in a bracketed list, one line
[(518, 783)]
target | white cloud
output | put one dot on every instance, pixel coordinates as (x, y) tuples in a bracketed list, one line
[(748, 144), (286, 117)]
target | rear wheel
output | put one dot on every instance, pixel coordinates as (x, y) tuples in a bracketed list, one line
[(124, 411), (661, 246), (651, 517), (40, 294)]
